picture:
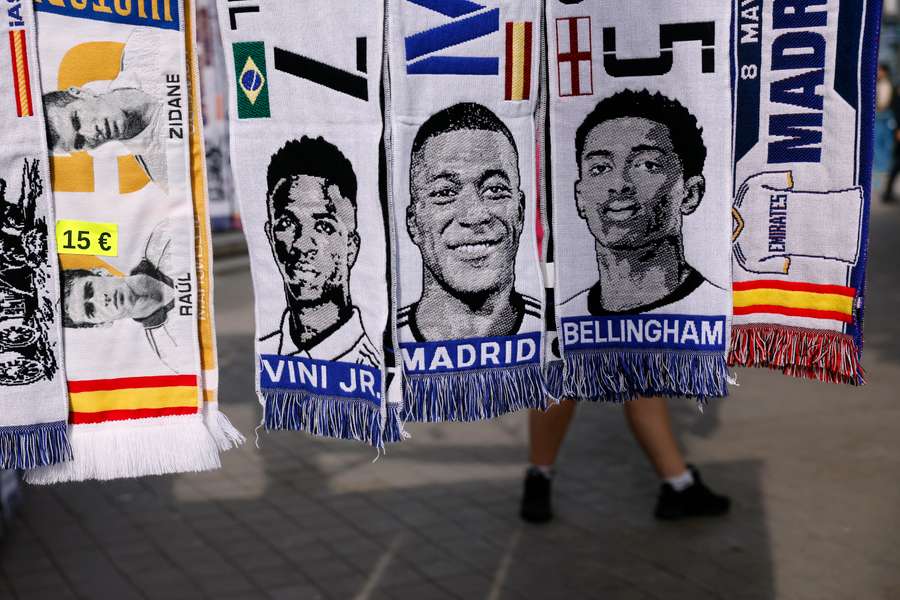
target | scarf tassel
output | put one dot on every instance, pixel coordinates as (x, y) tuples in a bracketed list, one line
[(30, 446), (624, 375), (155, 446), (473, 395), (223, 432), (326, 416), (807, 353), (553, 379)]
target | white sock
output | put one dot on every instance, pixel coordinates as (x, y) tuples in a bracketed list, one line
[(545, 470), (681, 482)]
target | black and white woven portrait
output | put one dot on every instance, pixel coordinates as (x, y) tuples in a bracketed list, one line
[(640, 173), (312, 229), (129, 109), (466, 216)]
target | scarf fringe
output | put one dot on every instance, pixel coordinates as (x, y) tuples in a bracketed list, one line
[(624, 375), (473, 395), (134, 448), (223, 432), (553, 380), (31, 446), (325, 416), (393, 430), (808, 353)]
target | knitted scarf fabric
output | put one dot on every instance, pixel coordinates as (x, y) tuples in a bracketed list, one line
[(803, 155), (33, 403), (116, 100), (219, 426), (306, 129), (463, 90), (639, 95)]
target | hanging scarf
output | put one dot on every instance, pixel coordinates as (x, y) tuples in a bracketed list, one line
[(803, 164), (639, 98), (462, 98), (115, 96), (306, 126), (219, 426), (33, 403)]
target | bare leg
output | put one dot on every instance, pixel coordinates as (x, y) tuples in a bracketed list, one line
[(649, 421), (546, 431)]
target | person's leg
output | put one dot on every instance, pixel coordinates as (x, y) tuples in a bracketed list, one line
[(887, 195), (546, 432), (682, 493), (651, 426)]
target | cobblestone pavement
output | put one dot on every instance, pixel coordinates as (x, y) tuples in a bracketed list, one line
[(812, 468)]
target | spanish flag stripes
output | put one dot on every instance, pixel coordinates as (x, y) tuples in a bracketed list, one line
[(102, 400), (796, 299), (519, 39), (21, 76)]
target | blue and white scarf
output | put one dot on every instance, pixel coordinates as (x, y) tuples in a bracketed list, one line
[(462, 100), (804, 111), (33, 400), (306, 129), (639, 95)]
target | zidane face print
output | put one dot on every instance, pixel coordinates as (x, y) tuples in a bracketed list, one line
[(640, 173), (311, 227), (465, 216)]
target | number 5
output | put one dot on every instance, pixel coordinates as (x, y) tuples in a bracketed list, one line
[(669, 34)]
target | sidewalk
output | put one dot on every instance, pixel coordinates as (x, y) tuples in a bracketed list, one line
[(812, 469)]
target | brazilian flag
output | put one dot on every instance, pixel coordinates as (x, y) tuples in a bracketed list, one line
[(252, 83)]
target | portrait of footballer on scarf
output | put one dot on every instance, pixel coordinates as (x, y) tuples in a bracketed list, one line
[(466, 215), (153, 292), (640, 159), (128, 109), (312, 231)]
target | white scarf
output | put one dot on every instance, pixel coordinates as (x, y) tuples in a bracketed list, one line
[(463, 91), (33, 402), (116, 99), (803, 165), (639, 94), (306, 127)]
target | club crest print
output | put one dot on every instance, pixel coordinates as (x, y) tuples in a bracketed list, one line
[(312, 231), (640, 173), (465, 216), (27, 354)]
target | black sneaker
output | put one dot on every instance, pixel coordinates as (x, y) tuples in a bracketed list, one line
[(694, 501), (536, 497)]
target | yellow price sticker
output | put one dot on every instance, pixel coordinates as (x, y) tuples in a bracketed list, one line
[(83, 237)]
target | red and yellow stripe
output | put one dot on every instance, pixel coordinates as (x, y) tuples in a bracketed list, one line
[(794, 299), (102, 400), (519, 40), (21, 75)]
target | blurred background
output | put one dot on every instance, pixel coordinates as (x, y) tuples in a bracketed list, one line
[(813, 471)]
